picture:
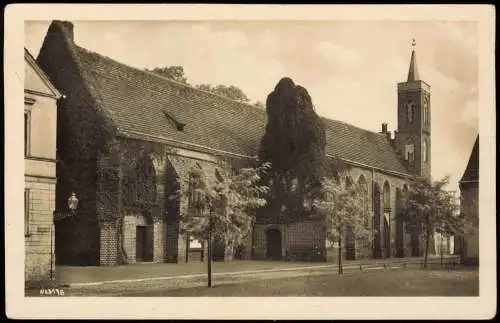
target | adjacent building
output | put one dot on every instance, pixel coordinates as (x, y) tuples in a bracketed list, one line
[(40, 117), (127, 139), (469, 206)]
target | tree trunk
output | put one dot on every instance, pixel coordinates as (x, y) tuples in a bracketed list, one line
[(427, 241), (340, 256), (209, 251), (209, 259)]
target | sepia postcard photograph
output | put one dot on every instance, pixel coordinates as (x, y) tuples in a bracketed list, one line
[(250, 161)]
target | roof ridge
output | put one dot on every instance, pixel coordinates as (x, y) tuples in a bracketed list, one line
[(353, 126), (210, 101), (72, 48), (203, 91), (166, 78)]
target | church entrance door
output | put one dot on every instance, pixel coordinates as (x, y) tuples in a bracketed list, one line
[(273, 244), (140, 244)]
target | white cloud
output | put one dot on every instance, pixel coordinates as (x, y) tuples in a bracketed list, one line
[(352, 75), (337, 53), (470, 113)]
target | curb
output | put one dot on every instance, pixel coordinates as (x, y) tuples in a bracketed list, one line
[(203, 275), (360, 266)]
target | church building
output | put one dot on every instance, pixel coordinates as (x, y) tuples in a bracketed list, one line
[(468, 244), (127, 138)]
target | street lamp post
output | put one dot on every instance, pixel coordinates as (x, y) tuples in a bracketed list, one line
[(72, 205)]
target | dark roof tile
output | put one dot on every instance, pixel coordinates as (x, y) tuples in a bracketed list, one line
[(471, 172), (138, 100)]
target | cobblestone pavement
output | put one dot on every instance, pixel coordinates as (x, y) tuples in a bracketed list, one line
[(163, 284)]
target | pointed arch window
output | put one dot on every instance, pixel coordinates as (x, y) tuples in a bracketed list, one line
[(364, 190), (195, 193), (410, 110), (145, 186), (425, 151), (426, 111)]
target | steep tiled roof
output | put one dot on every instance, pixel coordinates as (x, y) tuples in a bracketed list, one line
[(144, 103), (362, 146), (472, 170)]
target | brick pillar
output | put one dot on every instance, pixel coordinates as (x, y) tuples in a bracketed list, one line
[(181, 248), (159, 241), (108, 204), (129, 237), (108, 238), (159, 224)]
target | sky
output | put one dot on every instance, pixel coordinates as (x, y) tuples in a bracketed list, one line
[(350, 68)]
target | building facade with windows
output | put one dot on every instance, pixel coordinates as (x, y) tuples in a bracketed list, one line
[(128, 139), (40, 123), (468, 244)]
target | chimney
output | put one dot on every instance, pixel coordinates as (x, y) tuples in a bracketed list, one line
[(67, 28), (388, 134)]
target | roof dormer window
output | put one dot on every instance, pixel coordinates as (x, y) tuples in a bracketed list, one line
[(178, 125)]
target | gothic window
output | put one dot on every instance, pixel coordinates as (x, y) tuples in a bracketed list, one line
[(424, 150), (195, 195), (218, 176), (409, 153), (364, 189), (387, 196), (336, 177), (348, 182), (426, 111), (410, 110), (145, 188), (294, 185)]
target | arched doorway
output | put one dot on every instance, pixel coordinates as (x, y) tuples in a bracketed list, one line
[(144, 204), (387, 220), (273, 245), (144, 238), (376, 222)]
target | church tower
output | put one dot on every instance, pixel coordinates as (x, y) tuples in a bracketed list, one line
[(413, 139)]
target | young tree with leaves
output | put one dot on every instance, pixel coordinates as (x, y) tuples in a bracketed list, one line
[(431, 208), (175, 73), (232, 92), (342, 208), (226, 206)]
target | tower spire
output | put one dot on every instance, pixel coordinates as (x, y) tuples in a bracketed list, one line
[(413, 71)]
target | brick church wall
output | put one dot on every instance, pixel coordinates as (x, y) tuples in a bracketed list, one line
[(159, 242), (81, 134), (108, 255), (129, 237)]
